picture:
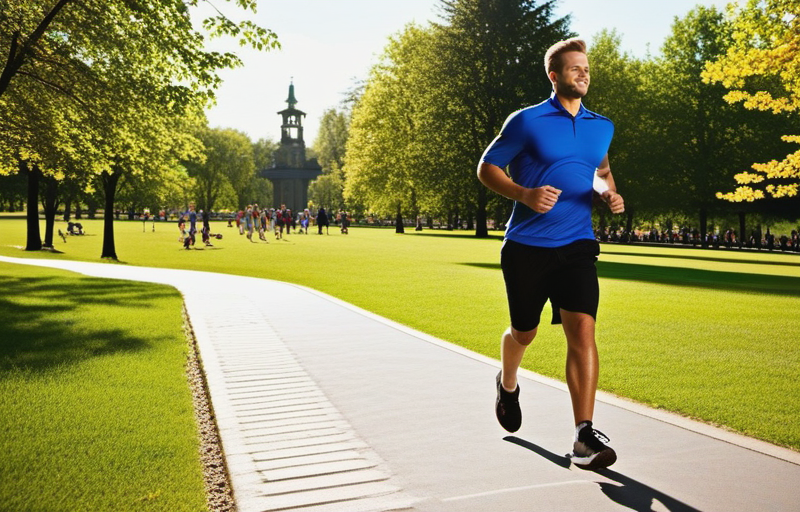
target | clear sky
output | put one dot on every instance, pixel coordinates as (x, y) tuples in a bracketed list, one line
[(327, 45)]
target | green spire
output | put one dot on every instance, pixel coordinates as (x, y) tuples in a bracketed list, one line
[(292, 101)]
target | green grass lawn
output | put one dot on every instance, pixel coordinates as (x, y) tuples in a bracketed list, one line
[(96, 410), (711, 334)]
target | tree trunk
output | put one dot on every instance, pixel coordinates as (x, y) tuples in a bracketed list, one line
[(50, 207), (91, 207), (481, 230), (629, 222), (399, 220), (34, 241), (742, 232), (703, 226), (110, 188)]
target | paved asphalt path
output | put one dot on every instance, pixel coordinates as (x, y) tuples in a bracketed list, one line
[(323, 406)]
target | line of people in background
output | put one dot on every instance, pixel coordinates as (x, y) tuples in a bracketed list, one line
[(254, 220), (728, 239)]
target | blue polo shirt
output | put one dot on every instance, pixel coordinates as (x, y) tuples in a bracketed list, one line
[(545, 145)]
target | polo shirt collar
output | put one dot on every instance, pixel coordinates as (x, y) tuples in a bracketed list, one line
[(558, 106)]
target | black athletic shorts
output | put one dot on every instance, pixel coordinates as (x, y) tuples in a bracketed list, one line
[(566, 275)]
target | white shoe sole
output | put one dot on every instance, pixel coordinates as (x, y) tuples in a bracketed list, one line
[(599, 460)]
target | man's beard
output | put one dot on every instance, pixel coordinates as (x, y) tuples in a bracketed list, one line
[(570, 91)]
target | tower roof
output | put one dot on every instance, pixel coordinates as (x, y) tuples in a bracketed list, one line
[(291, 100)]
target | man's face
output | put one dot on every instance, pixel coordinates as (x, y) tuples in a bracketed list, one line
[(573, 81)]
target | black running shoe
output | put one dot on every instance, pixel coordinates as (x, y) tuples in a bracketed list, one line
[(591, 451), (507, 407)]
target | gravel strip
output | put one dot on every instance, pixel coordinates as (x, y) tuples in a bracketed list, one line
[(219, 493)]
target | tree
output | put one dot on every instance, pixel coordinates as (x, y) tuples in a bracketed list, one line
[(42, 32), (439, 97), (327, 191), (703, 136), (762, 71), (330, 144), (228, 162), (330, 147), (385, 148), (104, 64), (491, 65)]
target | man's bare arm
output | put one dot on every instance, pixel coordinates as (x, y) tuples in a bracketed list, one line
[(614, 200), (540, 199)]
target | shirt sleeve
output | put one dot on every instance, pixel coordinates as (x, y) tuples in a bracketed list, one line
[(506, 146)]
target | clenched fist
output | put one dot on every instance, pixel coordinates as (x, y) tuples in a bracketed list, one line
[(614, 201), (541, 199)]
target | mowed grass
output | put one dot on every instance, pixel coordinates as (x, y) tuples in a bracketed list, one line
[(96, 411), (711, 334)]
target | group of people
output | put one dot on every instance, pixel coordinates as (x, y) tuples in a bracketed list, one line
[(187, 237), (728, 239), (253, 219)]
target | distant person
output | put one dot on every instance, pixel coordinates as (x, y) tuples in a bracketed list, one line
[(206, 231), (74, 228), (263, 225), (192, 222), (288, 220), (322, 220), (305, 218), (248, 222), (279, 223), (240, 221), (553, 151)]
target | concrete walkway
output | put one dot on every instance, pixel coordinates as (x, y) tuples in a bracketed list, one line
[(326, 407)]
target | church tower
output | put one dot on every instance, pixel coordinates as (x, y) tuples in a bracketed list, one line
[(292, 143), (291, 172)]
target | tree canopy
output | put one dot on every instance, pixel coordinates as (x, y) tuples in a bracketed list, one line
[(762, 70), (107, 89)]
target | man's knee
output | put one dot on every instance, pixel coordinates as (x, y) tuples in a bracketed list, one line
[(524, 338)]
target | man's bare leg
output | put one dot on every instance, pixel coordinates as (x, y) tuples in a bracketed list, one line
[(512, 349), (582, 363)]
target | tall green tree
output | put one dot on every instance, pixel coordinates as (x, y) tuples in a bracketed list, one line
[(331, 142), (106, 64), (693, 119), (227, 163), (707, 137), (491, 64), (385, 149), (331, 147)]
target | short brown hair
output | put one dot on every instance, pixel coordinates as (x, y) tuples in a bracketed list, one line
[(552, 58)]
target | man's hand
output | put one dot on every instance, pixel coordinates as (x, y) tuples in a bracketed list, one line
[(614, 201), (541, 199)]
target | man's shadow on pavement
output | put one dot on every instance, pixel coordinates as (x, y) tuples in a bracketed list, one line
[(631, 493)]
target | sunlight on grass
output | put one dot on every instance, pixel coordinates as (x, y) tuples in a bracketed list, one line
[(96, 409), (706, 333)]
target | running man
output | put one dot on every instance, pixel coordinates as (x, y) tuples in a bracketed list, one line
[(553, 151)]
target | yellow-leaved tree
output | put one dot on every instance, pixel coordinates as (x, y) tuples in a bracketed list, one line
[(762, 71)]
